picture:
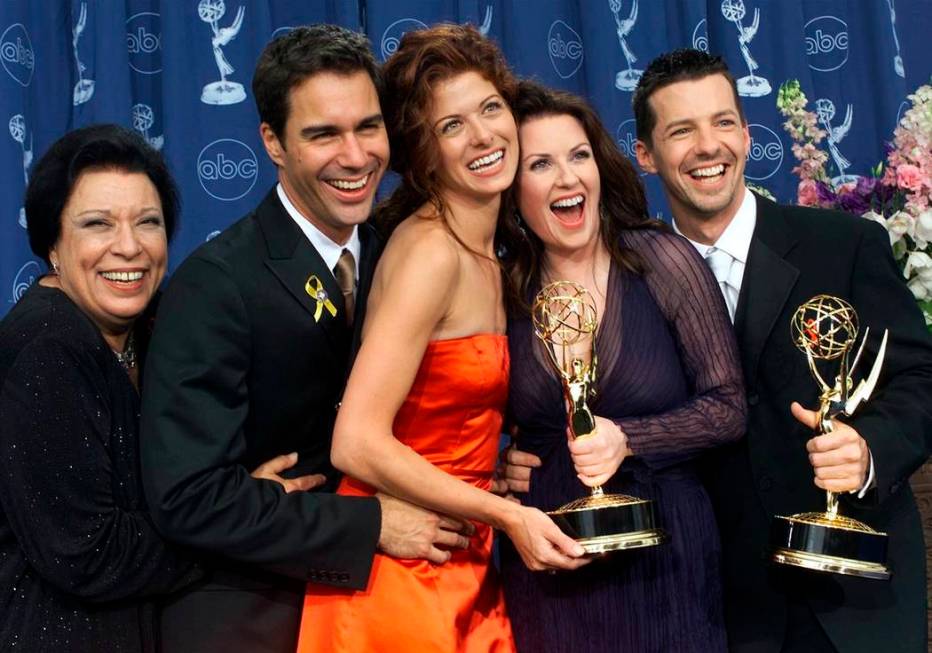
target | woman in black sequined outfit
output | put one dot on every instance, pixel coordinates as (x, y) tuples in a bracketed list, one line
[(81, 565)]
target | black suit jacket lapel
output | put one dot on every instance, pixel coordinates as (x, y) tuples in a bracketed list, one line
[(370, 250), (293, 260), (765, 288)]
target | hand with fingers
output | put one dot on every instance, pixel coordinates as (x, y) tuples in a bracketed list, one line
[(513, 472), (598, 455), (840, 459), (541, 544), (410, 532), (271, 470)]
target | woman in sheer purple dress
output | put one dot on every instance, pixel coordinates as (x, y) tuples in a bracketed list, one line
[(669, 386)]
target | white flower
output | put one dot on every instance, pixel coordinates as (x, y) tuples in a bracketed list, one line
[(920, 292), (924, 228), (916, 264), (921, 284), (876, 217), (900, 224)]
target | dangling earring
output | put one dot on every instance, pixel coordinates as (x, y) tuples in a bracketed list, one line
[(55, 268), (519, 221)]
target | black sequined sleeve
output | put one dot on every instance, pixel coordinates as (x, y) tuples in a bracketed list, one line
[(79, 527), (689, 296)]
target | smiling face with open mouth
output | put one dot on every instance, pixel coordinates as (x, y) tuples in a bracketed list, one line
[(476, 136), (699, 148), (333, 152), (559, 186), (112, 251)]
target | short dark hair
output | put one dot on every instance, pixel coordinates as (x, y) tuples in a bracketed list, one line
[(97, 147), (685, 64), (623, 204), (301, 53)]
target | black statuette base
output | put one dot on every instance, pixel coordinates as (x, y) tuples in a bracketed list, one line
[(812, 541), (610, 523)]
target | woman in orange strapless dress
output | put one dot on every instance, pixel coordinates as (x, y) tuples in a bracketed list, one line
[(422, 411)]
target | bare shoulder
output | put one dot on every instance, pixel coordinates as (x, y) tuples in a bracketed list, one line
[(422, 243)]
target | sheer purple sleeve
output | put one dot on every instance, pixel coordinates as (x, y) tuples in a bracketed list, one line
[(691, 300)]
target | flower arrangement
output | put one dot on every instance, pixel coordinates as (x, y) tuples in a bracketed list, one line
[(897, 195)]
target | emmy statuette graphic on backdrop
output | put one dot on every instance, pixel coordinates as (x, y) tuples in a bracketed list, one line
[(750, 85), (223, 91), (18, 132), (143, 119), (826, 328), (83, 88), (565, 320), (626, 80), (825, 110), (897, 59), (486, 21)]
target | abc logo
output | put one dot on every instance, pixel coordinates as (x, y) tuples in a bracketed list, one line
[(16, 54), (565, 48), (626, 137), (144, 42), (26, 276), (765, 153), (701, 36), (826, 43), (391, 37), (227, 169)]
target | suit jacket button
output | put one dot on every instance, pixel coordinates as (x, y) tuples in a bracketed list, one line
[(753, 399), (765, 483), (344, 577)]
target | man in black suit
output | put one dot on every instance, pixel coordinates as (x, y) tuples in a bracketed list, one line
[(248, 361), (769, 259)]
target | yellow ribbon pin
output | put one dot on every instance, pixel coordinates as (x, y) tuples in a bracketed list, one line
[(315, 289)]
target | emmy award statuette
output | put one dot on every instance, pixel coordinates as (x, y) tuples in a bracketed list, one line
[(825, 328), (565, 320)]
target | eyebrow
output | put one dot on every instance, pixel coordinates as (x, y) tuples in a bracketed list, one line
[(572, 149), (453, 115), (688, 121), (93, 212), (315, 130)]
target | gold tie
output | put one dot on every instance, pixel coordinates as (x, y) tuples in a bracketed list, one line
[(345, 273)]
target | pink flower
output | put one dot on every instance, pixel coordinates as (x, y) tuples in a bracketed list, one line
[(909, 177), (806, 194)]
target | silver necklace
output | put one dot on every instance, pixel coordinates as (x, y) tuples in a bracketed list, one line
[(127, 357)]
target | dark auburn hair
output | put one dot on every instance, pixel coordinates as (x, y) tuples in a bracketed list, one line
[(423, 59), (97, 147), (685, 64), (301, 53), (623, 204)]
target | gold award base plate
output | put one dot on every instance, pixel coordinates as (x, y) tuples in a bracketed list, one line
[(830, 564), (638, 540)]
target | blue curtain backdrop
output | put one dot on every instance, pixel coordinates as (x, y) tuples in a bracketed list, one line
[(154, 66)]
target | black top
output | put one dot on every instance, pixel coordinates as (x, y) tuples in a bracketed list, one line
[(80, 561), (669, 375)]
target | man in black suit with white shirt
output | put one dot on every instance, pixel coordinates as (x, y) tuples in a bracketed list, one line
[(769, 259), (251, 350)]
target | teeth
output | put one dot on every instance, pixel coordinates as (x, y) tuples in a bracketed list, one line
[(568, 202), (709, 172), (122, 276), (486, 160), (343, 184)]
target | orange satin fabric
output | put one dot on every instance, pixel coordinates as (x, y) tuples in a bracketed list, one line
[(453, 417)]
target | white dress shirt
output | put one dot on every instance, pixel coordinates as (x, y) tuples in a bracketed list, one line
[(328, 250), (736, 241)]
